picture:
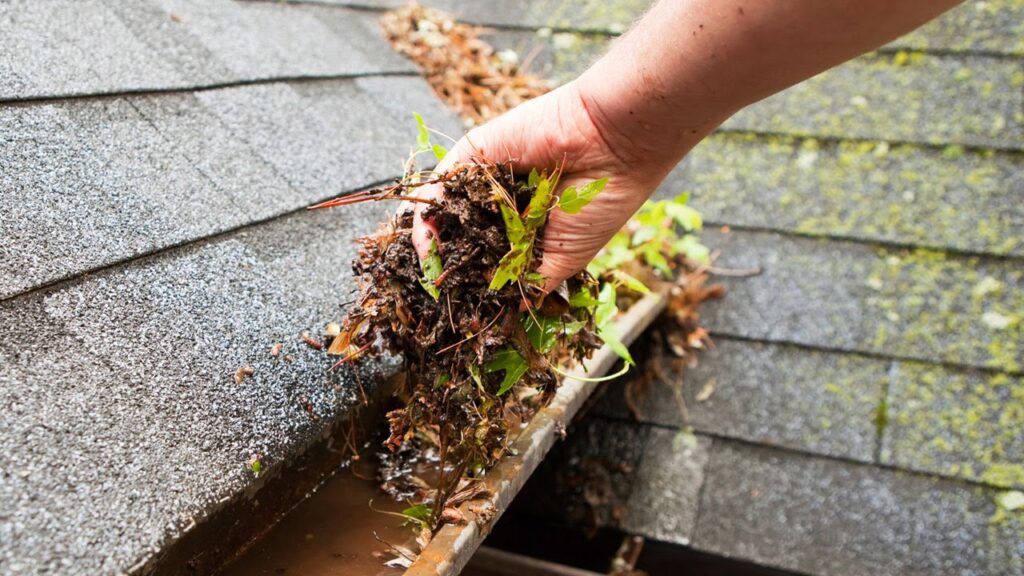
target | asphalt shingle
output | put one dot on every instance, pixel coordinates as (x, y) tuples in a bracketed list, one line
[(974, 101), (127, 176), (86, 184), (825, 517), (119, 389), (916, 304), (959, 423), (780, 395), (668, 479), (108, 48), (910, 195)]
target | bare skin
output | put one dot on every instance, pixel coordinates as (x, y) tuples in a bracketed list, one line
[(683, 69)]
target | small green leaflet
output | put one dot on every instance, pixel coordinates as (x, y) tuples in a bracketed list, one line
[(615, 254), (692, 248), (512, 363), (535, 278), (509, 269), (604, 318), (573, 200), (610, 336), (431, 266), (630, 281), (582, 299), (654, 257), (537, 211), (418, 514), (474, 373), (606, 309), (544, 331), (645, 234), (685, 216), (423, 139), (423, 135), (533, 179), (514, 228)]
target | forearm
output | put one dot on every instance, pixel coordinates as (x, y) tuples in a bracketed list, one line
[(690, 64)]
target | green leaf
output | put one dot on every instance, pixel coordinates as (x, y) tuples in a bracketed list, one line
[(474, 373), (418, 514), (606, 309), (644, 234), (509, 269), (542, 332), (573, 200), (514, 228), (537, 210), (431, 267), (535, 278), (651, 214), (692, 248), (512, 363), (423, 135), (570, 329), (439, 151), (653, 256), (615, 254), (610, 335), (582, 299), (630, 281), (534, 178), (685, 216)]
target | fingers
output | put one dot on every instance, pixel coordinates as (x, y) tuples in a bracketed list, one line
[(423, 230)]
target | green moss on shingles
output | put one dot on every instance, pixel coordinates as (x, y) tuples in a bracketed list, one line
[(919, 99), (964, 424), (871, 190), (930, 308), (1004, 475), (613, 16), (982, 25)]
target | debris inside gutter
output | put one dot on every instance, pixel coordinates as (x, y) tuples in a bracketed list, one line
[(463, 70)]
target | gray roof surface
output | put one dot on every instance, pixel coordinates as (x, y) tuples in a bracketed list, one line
[(157, 157), (115, 47)]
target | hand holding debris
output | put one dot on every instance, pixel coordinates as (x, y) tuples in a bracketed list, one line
[(551, 133)]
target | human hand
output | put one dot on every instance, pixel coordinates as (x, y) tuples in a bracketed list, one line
[(556, 130)]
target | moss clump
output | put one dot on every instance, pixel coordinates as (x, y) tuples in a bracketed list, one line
[(964, 424)]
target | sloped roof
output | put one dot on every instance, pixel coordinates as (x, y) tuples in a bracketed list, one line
[(156, 159)]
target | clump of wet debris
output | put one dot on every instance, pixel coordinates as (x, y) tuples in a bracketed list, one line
[(482, 342), (465, 71)]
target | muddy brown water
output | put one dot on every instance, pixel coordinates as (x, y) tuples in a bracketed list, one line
[(331, 533)]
